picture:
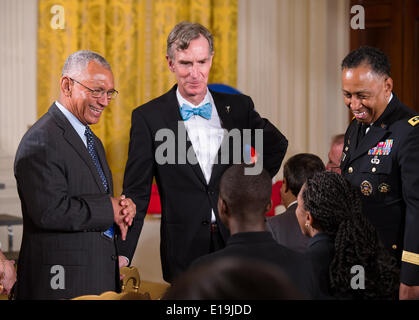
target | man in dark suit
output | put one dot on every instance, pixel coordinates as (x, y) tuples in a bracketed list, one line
[(70, 216), (380, 158), (284, 227), (176, 138), (242, 204)]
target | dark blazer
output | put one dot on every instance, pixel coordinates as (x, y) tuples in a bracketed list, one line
[(186, 198), (286, 230), (389, 184), (65, 210), (261, 246), (320, 250)]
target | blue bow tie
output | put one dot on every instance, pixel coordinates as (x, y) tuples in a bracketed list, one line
[(204, 111)]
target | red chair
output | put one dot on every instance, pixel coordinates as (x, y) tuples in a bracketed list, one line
[(154, 206), (276, 197)]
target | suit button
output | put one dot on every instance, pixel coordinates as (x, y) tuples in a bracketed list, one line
[(346, 149), (394, 247), (205, 223), (350, 170), (373, 169), (114, 257)]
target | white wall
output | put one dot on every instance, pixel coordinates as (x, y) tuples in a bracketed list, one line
[(18, 25), (289, 63)]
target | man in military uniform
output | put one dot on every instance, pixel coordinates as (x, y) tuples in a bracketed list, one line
[(381, 158)]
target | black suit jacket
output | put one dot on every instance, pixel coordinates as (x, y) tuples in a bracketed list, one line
[(65, 210), (320, 250), (389, 184), (261, 246), (186, 198), (286, 230)]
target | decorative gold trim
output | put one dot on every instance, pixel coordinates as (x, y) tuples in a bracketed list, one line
[(410, 257), (414, 121)]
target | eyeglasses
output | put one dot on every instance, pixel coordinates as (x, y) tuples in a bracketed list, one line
[(98, 93)]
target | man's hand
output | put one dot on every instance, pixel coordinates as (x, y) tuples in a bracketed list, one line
[(129, 209), (123, 262), (9, 276), (408, 292), (124, 211)]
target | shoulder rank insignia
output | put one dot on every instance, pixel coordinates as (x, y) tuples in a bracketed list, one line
[(414, 121)]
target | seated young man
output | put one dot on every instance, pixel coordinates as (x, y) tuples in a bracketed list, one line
[(243, 201)]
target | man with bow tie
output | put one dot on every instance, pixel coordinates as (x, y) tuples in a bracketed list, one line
[(380, 158), (190, 225)]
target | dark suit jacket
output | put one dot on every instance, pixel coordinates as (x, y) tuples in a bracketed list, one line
[(65, 210), (389, 184), (286, 230), (186, 198), (320, 250), (261, 246)]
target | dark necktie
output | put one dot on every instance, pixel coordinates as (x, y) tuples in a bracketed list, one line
[(362, 132), (92, 151)]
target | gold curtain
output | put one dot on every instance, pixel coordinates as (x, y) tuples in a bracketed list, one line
[(131, 35)]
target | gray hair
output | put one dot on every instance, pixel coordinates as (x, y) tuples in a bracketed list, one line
[(183, 33), (77, 62)]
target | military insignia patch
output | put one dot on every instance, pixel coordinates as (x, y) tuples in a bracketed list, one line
[(375, 160), (384, 187), (366, 188), (383, 148), (414, 121)]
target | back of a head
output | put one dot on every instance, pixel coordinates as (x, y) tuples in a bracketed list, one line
[(233, 278), (370, 56), (336, 210), (330, 199), (183, 33), (299, 168), (338, 139), (78, 61), (246, 193)]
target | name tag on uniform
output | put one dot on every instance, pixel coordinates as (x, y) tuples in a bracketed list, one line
[(383, 148)]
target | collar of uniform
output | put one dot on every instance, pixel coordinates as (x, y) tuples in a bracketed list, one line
[(387, 112), (321, 236)]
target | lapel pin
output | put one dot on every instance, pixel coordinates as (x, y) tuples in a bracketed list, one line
[(228, 109)]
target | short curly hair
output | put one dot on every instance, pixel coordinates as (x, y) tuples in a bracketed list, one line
[(373, 57)]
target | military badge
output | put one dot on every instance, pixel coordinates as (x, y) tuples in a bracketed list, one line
[(383, 148), (384, 187), (375, 160), (366, 188), (414, 121)]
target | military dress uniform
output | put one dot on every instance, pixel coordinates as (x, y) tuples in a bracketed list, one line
[(384, 167)]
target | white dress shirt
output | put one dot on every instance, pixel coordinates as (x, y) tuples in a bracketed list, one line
[(206, 136)]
